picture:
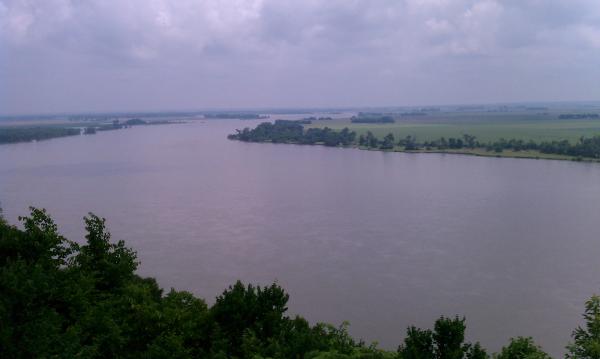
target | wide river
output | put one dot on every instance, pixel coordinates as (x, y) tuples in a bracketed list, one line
[(382, 240)]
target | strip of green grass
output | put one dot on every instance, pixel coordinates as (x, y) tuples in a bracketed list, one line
[(487, 127)]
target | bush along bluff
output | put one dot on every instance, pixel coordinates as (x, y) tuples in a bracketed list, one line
[(65, 299)]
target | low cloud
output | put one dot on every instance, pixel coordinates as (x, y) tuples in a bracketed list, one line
[(69, 55)]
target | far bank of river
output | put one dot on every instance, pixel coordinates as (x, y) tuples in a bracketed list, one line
[(293, 132), (482, 152)]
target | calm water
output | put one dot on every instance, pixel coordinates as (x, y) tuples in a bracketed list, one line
[(382, 240)]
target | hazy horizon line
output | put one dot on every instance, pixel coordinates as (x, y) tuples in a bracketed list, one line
[(267, 109)]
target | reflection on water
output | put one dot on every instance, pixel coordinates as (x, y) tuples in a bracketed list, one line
[(383, 240)]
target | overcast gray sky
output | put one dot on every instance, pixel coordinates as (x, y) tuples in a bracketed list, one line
[(117, 55)]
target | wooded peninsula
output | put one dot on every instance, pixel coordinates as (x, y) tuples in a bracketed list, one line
[(283, 131)]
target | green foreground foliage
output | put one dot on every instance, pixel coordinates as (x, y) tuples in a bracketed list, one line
[(522, 348), (61, 299)]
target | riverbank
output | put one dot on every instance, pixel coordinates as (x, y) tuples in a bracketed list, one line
[(281, 131), (24, 133), (482, 152), (478, 152), (28, 134)]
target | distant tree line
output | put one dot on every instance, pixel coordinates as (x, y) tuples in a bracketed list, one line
[(132, 122), (583, 148), (578, 116), (234, 115), (313, 118), (27, 134), (470, 108), (282, 131), (117, 125), (65, 299), (409, 143), (413, 114), (368, 117), (364, 118), (430, 109)]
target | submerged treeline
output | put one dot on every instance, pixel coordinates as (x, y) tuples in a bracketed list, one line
[(61, 299), (27, 134), (293, 132)]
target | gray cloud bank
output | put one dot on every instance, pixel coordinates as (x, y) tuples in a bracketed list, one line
[(104, 55)]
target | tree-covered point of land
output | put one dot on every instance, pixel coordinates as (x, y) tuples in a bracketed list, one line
[(27, 134), (282, 131), (61, 299)]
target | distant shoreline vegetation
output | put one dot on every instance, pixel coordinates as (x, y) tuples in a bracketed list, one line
[(233, 115), (28, 134), (578, 116), (388, 117), (39, 133), (313, 118), (372, 118), (283, 131), (117, 125)]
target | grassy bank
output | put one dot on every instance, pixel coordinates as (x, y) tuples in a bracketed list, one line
[(487, 127), (584, 148)]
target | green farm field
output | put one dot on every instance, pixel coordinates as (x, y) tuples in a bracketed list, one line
[(486, 126)]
